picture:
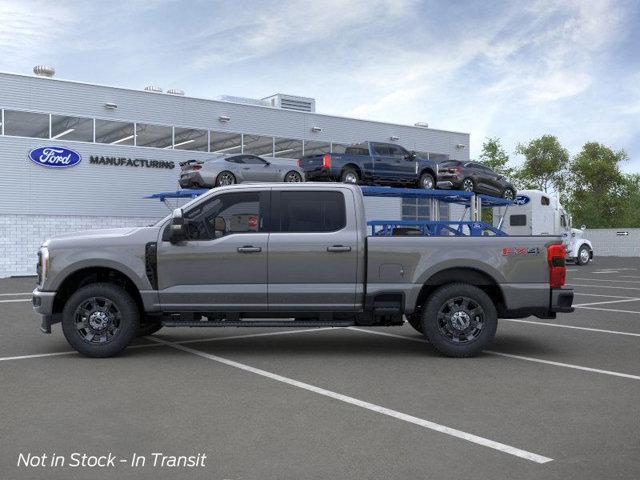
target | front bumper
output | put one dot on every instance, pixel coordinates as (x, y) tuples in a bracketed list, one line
[(43, 304)]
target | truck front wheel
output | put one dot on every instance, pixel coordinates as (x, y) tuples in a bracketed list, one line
[(459, 320), (100, 320), (584, 255)]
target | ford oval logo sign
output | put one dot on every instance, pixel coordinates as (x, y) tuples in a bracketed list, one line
[(521, 200), (56, 157)]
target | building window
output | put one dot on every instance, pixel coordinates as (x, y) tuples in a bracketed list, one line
[(72, 128), (224, 142), (316, 148), (157, 136), (287, 148), (258, 145), (190, 139), (114, 133), (26, 124), (338, 147), (419, 209)]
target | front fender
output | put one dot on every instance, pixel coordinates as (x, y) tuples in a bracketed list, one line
[(66, 263)]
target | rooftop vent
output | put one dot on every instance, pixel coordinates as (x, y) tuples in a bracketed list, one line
[(422, 124), (292, 102), (175, 91), (153, 88), (244, 100), (44, 71)]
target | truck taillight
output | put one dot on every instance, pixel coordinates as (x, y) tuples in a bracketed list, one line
[(299, 162), (326, 161), (557, 267)]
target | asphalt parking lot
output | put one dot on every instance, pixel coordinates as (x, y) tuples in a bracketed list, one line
[(552, 399)]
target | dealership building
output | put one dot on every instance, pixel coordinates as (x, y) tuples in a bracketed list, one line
[(129, 144)]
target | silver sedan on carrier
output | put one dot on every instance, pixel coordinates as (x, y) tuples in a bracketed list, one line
[(238, 168)]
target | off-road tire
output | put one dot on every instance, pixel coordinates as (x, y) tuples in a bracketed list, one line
[(439, 299), (129, 319)]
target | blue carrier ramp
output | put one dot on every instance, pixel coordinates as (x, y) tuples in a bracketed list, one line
[(402, 227)]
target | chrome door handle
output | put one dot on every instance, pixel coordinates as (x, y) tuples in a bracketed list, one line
[(249, 249), (339, 248)]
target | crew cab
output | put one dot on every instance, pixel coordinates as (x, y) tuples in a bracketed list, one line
[(284, 254), (372, 163)]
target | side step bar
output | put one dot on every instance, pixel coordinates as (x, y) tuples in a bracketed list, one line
[(258, 323)]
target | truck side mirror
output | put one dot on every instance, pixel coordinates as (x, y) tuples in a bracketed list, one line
[(177, 231)]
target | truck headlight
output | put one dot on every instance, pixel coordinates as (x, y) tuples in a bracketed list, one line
[(43, 265)]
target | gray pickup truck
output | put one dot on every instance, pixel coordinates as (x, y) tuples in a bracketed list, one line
[(280, 255)]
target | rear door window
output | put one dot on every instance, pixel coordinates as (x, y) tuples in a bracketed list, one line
[(312, 211), (381, 150)]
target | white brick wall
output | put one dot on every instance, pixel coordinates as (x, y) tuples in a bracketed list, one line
[(607, 242), (22, 235)]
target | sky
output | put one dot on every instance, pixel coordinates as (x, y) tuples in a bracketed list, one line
[(514, 70)]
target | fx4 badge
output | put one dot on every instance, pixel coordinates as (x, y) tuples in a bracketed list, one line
[(508, 251)]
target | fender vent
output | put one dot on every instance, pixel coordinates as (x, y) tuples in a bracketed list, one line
[(151, 263)]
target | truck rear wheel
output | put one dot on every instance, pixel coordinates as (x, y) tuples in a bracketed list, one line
[(349, 175), (100, 320), (459, 320)]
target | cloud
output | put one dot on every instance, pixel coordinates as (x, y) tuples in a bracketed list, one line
[(31, 29)]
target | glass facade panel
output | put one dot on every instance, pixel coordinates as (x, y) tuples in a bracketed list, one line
[(72, 128), (224, 142), (115, 133), (316, 148), (287, 148), (258, 145), (190, 139), (157, 136), (26, 124)]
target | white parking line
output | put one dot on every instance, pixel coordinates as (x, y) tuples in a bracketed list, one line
[(16, 300), (509, 355), (14, 294), (573, 327), (611, 310), (632, 299), (600, 295), (196, 340), (603, 286), (605, 280), (485, 442)]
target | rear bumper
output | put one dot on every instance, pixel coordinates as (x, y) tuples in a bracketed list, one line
[(526, 299), (561, 300), (449, 183), (192, 179), (319, 174)]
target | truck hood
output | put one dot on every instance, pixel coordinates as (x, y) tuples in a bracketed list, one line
[(107, 237)]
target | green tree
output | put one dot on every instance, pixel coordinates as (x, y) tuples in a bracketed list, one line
[(545, 164), (631, 198), (599, 192), (495, 157)]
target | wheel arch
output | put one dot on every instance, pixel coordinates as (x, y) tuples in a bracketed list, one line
[(87, 275), (472, 276), (353, 166)]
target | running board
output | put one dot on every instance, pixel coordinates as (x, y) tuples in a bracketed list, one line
[(259, 323)]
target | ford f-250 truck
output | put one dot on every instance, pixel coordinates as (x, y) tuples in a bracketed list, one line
[(372, 163), (258, 255)]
